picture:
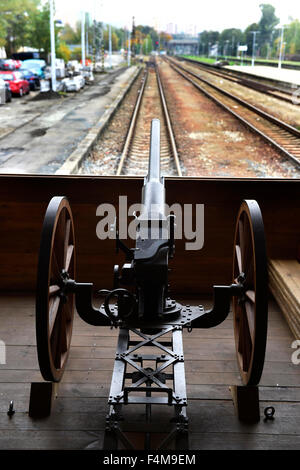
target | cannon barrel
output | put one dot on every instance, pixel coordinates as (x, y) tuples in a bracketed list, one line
[(153, 192), (152, 242)]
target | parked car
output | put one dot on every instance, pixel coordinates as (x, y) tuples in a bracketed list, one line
[(31, 77), (7, 64), (36, 65), (73, 84), (18, 85), (4, 84)]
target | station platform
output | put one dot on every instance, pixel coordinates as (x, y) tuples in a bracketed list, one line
[(274, 73)]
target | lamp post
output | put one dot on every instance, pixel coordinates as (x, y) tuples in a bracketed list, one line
[(253, 46), (280, 48), (283, 53), (52, 41), (82, 38), (109, 45), (226, 48), (129, 50)]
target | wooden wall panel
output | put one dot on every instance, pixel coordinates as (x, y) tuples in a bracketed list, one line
[(23, 200)]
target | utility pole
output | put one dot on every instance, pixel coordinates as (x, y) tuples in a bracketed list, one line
[(109, 45), (87, 23), (199, 43), (253, 46), (52, 40), (208, 49), (129, 51), (82, 38), (280, 49), (283, 54)]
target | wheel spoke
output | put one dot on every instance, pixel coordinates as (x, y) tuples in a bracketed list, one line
[(63, 332), (55, 271), (250, 274), (251, 295), (69, 308), (66, 241), (242, 241), (240, 330), (247, 246), (246, 342), (56, 345), (53, 289), (59, 242), (238, 257), (250, 320), (69, 255), (240, 338), (53, 309)]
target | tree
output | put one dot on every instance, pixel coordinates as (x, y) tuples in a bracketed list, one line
[(292, 37), (39, 33), (229, 39), (148, 30), (267, 23), (147, 45), (14, 22), (164, 38), (68, 35), (63, 52), (114, 40), (248, 36), (208, 39), (76, 54)]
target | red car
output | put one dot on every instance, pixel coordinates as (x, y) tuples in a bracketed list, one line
[(18, 85)]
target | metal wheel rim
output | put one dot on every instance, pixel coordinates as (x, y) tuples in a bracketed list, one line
[(54, 317), (250, 312)]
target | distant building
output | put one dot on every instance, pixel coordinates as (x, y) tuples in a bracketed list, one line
[(183, 44)]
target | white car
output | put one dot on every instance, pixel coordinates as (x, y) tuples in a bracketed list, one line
[(73, 83)]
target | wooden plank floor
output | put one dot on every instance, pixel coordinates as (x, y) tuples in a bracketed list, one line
[(78, 419)]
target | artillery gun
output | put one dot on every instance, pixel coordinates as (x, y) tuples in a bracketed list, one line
[(140, 306)]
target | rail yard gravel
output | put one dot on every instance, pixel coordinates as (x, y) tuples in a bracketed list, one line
[(213, 143), (285, 111)]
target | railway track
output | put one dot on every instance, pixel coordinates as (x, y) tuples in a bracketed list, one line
[(150, 104), (287, 95), (282, 136)]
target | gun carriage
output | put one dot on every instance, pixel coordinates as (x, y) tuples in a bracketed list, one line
[(140, 305)]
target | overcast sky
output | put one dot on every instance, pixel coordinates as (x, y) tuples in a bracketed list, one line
[(208, 14)]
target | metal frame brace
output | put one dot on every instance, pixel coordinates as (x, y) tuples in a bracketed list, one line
[(147, 386)]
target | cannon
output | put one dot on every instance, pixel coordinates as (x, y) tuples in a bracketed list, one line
[(140, 306)]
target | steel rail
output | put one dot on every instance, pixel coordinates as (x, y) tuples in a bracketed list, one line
[(132, 127), (240, 79), (168, 122), (265, 115)]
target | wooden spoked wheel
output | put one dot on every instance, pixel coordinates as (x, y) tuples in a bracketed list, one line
[(250, 309), (54, 305)]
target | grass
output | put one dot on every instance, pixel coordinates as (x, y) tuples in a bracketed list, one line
[(207, 60), (212, 60)]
